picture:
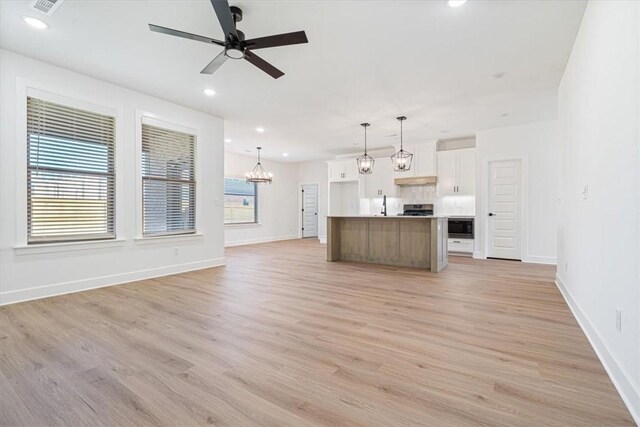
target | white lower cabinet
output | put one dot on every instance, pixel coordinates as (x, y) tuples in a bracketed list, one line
[(461, 246)]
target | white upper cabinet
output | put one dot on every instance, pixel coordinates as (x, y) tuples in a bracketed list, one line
[(426, 159), (380, 182), (466, 172), (447, 173), (456, 172), (343, 170), (423, 163)]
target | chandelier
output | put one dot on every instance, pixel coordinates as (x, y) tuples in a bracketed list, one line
[(402, 159), (365, 162), (257, 174)]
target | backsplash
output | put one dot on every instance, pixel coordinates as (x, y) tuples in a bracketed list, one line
[(456, 205), (419, 195)]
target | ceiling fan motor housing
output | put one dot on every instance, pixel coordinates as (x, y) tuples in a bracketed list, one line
[(235, 48)]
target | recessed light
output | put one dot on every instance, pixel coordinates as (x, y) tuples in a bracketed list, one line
[(35, 23), (456, 3), (227, 140), (259, 129), (209, 92), (285, 154)]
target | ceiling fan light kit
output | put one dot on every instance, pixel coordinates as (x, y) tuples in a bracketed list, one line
[(258, 174), (365, 162), (402, 159), (235, 45)]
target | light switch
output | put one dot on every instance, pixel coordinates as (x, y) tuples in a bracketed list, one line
[(585, 192)]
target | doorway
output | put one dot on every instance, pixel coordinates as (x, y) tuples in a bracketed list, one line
[(505, 210), (309, 210)]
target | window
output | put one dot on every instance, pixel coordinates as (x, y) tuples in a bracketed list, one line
[(168, 182), (70, 173), (240, 201)]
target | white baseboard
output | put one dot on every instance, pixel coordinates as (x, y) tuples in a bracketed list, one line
[(534, 259), (621, 379), (261, 240), (323, 239), (37, 292), (479, 255)]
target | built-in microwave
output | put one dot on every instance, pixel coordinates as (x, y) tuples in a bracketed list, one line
[(461, 228)]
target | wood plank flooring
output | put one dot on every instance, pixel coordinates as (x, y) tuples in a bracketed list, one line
[(279, 337)]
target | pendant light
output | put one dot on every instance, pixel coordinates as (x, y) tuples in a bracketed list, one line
[(365, 162), (257, 174), (402, 159)]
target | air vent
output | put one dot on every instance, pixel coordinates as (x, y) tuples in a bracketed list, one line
[(45, 6)]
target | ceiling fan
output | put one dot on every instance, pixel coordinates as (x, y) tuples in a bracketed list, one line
[(235, 45)]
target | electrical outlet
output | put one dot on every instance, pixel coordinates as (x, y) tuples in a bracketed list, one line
[(619, 320), (585, 192), (176, 251)]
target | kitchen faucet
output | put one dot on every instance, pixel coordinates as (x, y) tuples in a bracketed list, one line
[(384, 205)]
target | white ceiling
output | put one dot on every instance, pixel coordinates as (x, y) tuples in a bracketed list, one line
[(365, 61)]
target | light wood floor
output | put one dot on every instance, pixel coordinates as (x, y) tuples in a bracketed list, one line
[(280, 337)]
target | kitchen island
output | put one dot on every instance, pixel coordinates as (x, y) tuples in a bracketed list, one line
[(407, 241)]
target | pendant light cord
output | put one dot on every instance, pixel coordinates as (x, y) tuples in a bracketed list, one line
[(365, 126), (365, 140), (402, 119)]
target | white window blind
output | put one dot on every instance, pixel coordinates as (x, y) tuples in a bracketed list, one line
[(70, 173), (168, 181)]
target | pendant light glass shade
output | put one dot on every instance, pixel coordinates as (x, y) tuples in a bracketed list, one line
[(365, 162), (257, 174), (402, 159)]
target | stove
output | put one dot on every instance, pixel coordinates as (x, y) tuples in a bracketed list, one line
[(418, 210)]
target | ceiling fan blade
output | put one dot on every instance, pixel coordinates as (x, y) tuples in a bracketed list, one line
[(178, 33), (214, 64), (262, 64), (223, 13), (286, 39)]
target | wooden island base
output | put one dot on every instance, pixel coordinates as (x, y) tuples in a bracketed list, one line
[(419, 242)]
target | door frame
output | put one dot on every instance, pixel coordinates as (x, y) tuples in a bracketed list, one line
[(482, 223), (300, 220)]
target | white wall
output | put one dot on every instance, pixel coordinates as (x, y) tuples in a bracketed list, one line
[(49, 270), (317, 172), (277, 202), (599, 236), (536, 144)]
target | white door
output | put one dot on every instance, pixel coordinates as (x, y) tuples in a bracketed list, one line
[(505, 201), (309, 210)]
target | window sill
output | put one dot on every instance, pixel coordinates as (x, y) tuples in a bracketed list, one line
[(243, 225), (46, 248), (168, 239)]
